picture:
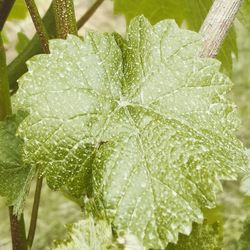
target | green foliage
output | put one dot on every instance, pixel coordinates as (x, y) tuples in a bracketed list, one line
[(234, 208), (15, 175), (88, 235), (244, 241), (245, 185), (241, 90), (190, 12), (54, 212), (245, 182), (243, 15), (5, 38), (151, 118), (23, 40), (203, 237), (91, 235), (19, 10)]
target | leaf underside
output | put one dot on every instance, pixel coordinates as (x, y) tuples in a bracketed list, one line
[(140, 125)]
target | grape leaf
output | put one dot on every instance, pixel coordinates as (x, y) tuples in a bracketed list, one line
[(203, 237), (190, 12), (243, 14), (88, 235), (145, 116), (15, 176)]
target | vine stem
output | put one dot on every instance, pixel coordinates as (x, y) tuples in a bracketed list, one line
[(65, 18), (18, 67), (34, 214), (5, 104), (5, 9), (217, 24), (18, 234), (44, 42), (17, 225), (89, 13), (37, 20)]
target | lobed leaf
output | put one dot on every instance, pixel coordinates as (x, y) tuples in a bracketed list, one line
[(140, 125)]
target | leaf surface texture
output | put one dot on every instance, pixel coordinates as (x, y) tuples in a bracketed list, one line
[(140, 125)]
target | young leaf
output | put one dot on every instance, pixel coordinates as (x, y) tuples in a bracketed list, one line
[(151, 115), (15, 176), (91, 235), (88, 235), (192, 12)]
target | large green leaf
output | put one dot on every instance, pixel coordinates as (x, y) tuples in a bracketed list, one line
[(15, 176), (190, 12), (151, 115)]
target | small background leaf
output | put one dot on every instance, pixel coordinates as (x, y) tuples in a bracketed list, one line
[(22, 41), (88, 235), (15, 175), (19, 10), (244, 241), (244, 14)]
